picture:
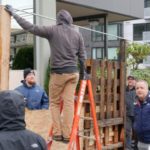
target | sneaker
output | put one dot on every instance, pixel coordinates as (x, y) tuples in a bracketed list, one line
[(57, 137)]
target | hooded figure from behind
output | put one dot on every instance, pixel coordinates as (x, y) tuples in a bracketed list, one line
[(66, 49), (13, 134), (66, 44), (64, 17)]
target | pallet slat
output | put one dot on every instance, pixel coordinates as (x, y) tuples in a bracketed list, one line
[(107, 82)]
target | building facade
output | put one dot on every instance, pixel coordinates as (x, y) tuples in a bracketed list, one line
[(103, 16), (139, 30), (20, 39), (106, 17)]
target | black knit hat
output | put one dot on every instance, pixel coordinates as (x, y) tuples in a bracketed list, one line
[(27, 71), (130, 77)]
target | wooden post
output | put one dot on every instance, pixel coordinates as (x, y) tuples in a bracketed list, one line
[(5, 30)]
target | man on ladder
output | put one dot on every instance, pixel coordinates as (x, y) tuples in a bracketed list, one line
[(74, 138), (67, 47)]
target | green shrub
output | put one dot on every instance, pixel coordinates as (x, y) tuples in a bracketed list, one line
[(23, 59), (138, 52), (142, 74)]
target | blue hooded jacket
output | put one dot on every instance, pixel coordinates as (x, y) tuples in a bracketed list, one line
[(35, 96), (142, 120)]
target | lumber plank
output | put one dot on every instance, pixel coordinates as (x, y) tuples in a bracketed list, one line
[(5, 30)]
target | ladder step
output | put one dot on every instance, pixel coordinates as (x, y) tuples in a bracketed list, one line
[(85, 101), (86, 118), (84, 131), (86, 137)]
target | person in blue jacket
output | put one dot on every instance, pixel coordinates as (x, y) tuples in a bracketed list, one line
[(142, 115), (36, 97)]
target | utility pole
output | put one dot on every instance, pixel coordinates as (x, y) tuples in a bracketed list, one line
[(42, 54), (5, 30)]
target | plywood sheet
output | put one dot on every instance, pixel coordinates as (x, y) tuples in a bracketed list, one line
[(38, 121)]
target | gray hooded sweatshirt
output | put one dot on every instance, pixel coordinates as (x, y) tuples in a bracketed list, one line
[(67, 45)]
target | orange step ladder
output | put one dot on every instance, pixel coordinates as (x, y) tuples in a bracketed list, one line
[(74, 138)]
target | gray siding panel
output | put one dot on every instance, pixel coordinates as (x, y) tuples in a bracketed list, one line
[(134, 8)]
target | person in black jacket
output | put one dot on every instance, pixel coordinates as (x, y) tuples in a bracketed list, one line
[(131, 83), (13, 134), (130, 99), (142, 115)]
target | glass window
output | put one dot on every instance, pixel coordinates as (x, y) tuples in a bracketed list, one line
[(147, 26), (112, 53), (113, 29), (97, 53), (12, 39), (95, 35), (138, 30), (147, 3)]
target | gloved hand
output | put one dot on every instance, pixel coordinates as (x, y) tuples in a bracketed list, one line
[(83, 75), (10, 9)]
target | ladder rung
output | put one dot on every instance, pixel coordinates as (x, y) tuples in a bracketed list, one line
[(86, 118), (84, 131), (86, 137), (87, 101)]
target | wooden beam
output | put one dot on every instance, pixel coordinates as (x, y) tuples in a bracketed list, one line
[(5, 30)]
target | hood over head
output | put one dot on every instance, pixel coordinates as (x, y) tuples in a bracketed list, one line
[(12, 111), (64, 17)]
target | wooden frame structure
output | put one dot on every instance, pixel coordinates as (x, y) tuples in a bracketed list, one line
[(108, 82), (5, 22)]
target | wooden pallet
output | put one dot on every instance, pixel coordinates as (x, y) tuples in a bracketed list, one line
[(108, 82)]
